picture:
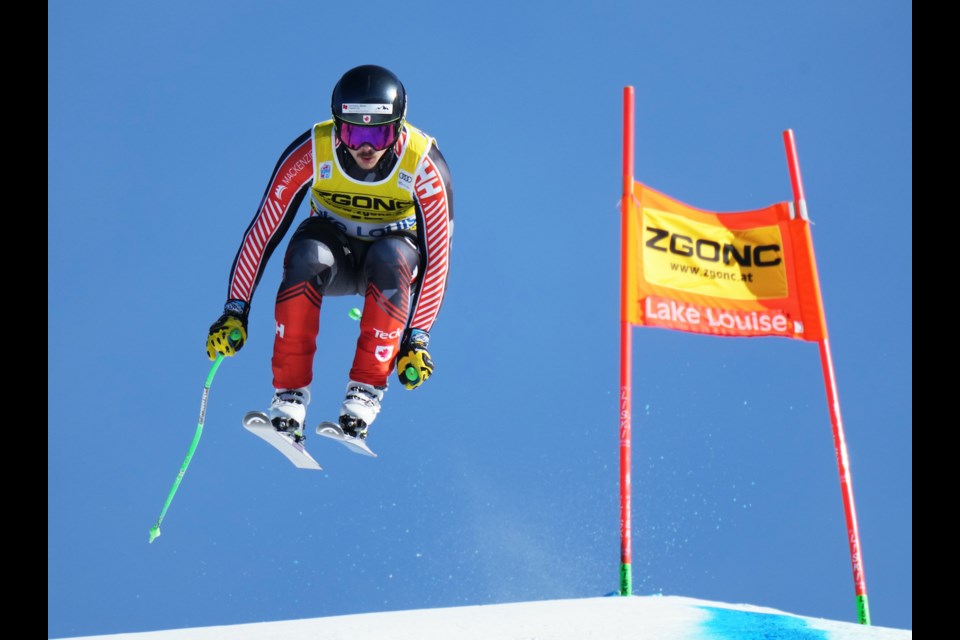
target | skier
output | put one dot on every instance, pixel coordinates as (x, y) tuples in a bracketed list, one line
[(380, 226)]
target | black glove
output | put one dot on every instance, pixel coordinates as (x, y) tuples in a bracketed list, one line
[(229, 333), (414, 365)]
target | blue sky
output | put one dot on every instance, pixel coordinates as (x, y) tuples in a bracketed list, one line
[(497, 481)]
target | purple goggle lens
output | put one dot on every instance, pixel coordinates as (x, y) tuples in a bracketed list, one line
[(379, 136)]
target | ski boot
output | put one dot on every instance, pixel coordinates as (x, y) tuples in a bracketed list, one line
[(288, 411), (360, 408)]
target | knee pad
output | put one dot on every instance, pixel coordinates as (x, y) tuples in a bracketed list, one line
[(316, 253), (391, 258)]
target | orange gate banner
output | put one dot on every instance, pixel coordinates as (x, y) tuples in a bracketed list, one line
[(748, 273)]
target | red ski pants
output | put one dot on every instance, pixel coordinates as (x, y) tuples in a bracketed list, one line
[(322, 261)]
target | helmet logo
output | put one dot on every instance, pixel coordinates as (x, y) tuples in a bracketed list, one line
[(366, 119), (353, 107)]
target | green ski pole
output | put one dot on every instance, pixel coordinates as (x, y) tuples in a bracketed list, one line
[(155, 529)]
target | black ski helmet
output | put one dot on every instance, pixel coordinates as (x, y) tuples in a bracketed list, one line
[(368, 95)]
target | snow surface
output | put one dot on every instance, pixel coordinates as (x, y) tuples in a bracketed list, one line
[(632, 618)]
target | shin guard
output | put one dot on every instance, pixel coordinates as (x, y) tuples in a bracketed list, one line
[(295, 343)]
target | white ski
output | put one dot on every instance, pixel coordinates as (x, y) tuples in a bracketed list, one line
[(258, 423), (333, 431)]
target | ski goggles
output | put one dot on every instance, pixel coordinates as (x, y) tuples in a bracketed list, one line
[(378, 136)]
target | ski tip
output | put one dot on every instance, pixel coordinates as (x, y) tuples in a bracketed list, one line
[(333, 431), (255, 417), (330, 428), (154, 533)]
